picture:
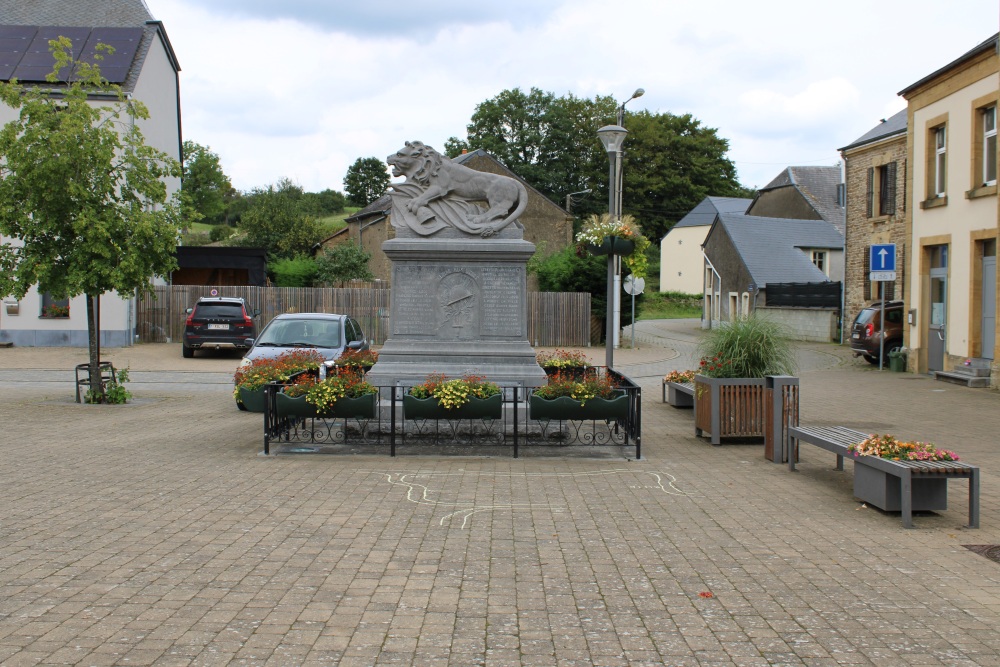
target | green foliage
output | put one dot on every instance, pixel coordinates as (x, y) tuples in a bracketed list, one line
[(344, 262), (205, 186), (670, 162), (750, 347), (570, 270), (366, 180), (668, 305), (273, 220), (297, 271), (323, 204), (81, 192), (220, 232)]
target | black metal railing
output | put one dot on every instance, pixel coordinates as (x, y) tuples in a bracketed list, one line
[(508, 430)]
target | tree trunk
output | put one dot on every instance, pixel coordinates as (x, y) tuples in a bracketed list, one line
[(94, 345)]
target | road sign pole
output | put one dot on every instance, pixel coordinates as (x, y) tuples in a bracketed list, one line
[(881, 326)]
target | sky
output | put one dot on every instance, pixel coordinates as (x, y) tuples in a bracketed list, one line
[(300, 89)]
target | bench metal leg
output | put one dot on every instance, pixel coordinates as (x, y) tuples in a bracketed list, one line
[(906, 500), (974, 499), (840, 462), (790, 445)]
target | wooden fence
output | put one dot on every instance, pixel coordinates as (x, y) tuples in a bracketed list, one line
[(555, 319)]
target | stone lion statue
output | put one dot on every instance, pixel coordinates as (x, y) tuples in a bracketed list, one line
[(438, 179)]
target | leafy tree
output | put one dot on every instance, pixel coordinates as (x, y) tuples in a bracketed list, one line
[(273, 220), (297, 271), (82, 194), (205, 186), (670, 162), (323, 204), (344, 262), (366, 180)]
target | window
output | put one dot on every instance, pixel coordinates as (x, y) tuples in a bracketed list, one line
[(54, 307), (882, 183), (989, 118), (887, 189), (939, 169), (819, 259)]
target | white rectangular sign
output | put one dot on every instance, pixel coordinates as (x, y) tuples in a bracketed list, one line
[(882, 276)]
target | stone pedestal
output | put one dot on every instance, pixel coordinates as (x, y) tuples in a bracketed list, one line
[(459, 305)]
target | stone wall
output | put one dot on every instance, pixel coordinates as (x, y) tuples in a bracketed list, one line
[(812, 324), (863, 231)]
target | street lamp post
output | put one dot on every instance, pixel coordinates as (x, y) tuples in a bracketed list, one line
[(617, 309), (612, 137)]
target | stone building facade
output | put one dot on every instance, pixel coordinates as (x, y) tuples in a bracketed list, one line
[(875, 182)]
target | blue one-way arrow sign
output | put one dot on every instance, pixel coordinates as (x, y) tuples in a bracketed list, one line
[(883, 257)]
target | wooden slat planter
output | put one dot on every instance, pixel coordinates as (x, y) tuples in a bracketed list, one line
[(729, 407)]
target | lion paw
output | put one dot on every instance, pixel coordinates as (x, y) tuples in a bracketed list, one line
[(488, 232)]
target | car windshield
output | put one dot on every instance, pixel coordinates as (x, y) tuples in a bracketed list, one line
[(228, 310), (301, 333)]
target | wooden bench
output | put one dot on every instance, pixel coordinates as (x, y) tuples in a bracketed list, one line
[(679, 394), (902, 486)]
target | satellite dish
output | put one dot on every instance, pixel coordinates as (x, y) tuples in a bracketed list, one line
[(633, 286)]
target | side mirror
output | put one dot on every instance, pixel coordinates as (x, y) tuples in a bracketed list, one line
[(250, 342), (355, 345), (256, 312), (189, 310)]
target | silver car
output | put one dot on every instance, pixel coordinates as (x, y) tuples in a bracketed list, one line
[(327, 333)]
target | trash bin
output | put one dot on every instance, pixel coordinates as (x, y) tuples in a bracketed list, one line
[(897, 361)]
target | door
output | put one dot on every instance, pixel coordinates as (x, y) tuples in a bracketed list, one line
[(989, 306), (937, 326)]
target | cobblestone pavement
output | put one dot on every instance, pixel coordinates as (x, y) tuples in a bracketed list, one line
[(155, 534)]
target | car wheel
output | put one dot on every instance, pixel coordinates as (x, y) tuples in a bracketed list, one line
[(242, 408), (871, 360), (188, 352)]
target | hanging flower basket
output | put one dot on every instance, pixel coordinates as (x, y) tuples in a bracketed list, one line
[(612, 245)]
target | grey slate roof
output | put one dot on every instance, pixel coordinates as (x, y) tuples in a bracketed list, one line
[(892, 126), (818, 185), (93, 14), (771, 248), (84, 13), (704, 213)]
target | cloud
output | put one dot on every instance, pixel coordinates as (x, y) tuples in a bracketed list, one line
[(388, 17)]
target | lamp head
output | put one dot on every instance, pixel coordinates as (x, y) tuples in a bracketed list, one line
[(639, 92), (612, 136)]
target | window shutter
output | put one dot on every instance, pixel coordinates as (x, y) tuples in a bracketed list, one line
[(890, 174), (867, 275), (871, 192)]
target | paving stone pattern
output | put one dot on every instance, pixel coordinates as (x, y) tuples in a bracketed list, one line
[(156, 534)]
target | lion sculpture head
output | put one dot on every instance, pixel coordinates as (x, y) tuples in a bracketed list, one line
[(417, 162)]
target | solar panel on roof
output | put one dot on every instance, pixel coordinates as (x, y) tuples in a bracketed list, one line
[(25, 54)]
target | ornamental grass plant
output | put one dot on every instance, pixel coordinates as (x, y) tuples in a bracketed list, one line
[(749, 347)]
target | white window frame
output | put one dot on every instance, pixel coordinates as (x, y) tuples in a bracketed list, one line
[(940, 160), (990, 145), (823, 263)]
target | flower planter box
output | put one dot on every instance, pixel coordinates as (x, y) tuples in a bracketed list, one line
[(476, 408), (253, 399), (729, 407), (574, 372), (613, 245), (362, 407), (883, 490), (565, 408)]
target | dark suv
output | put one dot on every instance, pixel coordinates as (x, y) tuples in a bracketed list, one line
[(866, 333), (218, 323)]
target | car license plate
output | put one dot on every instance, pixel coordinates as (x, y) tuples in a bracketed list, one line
[(857, 335), (224, 327)]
